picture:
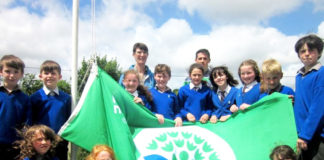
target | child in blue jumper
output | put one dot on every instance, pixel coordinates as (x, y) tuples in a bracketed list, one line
[(271, 74), (223, 93), (14, 105), (51, 106), (165, 102), (309, 98), (195, 98), (250, 92), (132, 85)]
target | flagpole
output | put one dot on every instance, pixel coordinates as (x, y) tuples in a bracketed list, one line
[(74, 83)]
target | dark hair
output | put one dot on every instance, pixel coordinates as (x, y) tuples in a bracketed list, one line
[(217, 71), (283, 152), (312, 41), (13, 62), (50, 66), (204, 51), (25, 145), (160, 68), (141, 46), (196, 66), (250, 62)]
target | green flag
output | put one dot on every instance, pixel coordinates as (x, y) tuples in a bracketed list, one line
[(106, 114)]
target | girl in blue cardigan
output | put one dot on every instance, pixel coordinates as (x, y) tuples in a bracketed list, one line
[(223, 93), (250, 92), (194, 98), (132, 84)]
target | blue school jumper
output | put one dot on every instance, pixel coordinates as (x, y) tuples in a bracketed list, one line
[(223, 108), (194, 102), (283, 90), (309, 104), (147, 104), (52, 111), (15, 112), (248, 97), (149, 81), (165, 103)]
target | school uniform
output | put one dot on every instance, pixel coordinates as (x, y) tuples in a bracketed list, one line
[(196, 101), (147, 104), (15, 112), (149, 80), (250, 94), (309, 109), (280, 89), (165, 103), (45, 158), (52, 108), (222, 107)]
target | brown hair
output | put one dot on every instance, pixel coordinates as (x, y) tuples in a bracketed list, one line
[(254, 65), (99, 148), (197, 66), (140, 88), (283, 152), (50, 66), (160, 68), (140, 46), (28, 133), (270, 66), (13, 62)]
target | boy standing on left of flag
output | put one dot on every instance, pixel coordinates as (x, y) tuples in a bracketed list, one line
[(50, 106), (14, 105), (308, 108)]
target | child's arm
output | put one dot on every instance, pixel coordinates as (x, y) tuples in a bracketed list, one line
[(213, 119), (178, 122), (234, 108), (244, 106), (204, 118), (138, 100), (191, 117), (160, 118)]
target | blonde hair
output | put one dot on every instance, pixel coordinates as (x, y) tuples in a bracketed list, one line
[(99, 148), (269, 67)]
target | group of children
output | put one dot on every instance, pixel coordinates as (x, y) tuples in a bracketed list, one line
[(46, 107), (213, 99), (198, 101)]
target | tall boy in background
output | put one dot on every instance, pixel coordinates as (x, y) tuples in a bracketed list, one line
[(14, 105), (50, 106), (309, 99)]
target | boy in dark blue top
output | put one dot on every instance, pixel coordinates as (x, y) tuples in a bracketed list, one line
[(271, 74), (14, 105), (165, 102), (309, 99), (50, 106)]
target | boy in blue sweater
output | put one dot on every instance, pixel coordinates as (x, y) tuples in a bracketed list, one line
[(14, 105), (165, 102), (309, 98), (50, 106)]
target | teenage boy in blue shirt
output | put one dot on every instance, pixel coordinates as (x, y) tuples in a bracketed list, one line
[(14, 105), (50, 106), (309, 99)]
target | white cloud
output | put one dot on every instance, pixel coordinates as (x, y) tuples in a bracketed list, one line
[(239, 11), (36, 38)]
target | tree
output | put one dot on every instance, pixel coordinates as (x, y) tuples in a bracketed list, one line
[(29, 84), (111, 67)]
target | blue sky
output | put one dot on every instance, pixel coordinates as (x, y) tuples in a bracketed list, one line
[(173, 30)]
